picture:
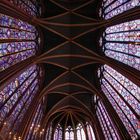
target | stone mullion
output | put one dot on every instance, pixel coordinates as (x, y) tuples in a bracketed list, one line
[(122, 112), (89, 131), (27, 131), (49, 127), (52, 135), (63, 133), (42, 129), (86, 133), (45, 130), (95, 126), (108, 4), (16, 40), (112, 113), (15, 12), (39, 135), (75, 133)]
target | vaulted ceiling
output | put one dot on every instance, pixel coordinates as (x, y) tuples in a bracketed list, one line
[(71, 50)]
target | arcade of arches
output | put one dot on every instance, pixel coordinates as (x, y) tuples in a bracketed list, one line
[(70, 69)]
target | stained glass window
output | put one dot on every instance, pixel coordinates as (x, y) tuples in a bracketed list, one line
[(58, 133), (18, 41), (34, 131), (90, 133), (48, 133), (17, 96), (112, 8), (28, 6), (122, 42), (80, 132), (69, 133), (106, 123), (124, 97)]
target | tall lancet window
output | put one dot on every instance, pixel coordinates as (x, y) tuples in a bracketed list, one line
[(16, 97), (90, 133), (35, 130), (48, 133), (28, 6), (80, 132), (112, 8), (124, 97), (58, 133), (122, 43), (18, 41), (106, 123), (69, 133)]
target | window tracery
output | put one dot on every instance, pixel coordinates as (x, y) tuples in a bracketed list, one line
[(124, 97), (17, 96), (80, 132), (112, 8), (19, 41), (58, 133), (122, 42), (69, 133)]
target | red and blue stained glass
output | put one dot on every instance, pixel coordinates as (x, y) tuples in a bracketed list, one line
[(107, 126), (27, 6), (122, 42), (124, 97), (17, 96), (23, 44), (58, 133), (112, 8)]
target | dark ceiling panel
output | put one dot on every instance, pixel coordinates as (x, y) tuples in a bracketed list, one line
[(70, 59), (56, 9)]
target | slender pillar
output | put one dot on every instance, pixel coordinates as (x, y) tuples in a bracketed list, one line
[(86, 133), (63, 133)]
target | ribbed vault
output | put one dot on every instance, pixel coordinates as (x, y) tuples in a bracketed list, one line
[(70, 56), (69, 93)]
